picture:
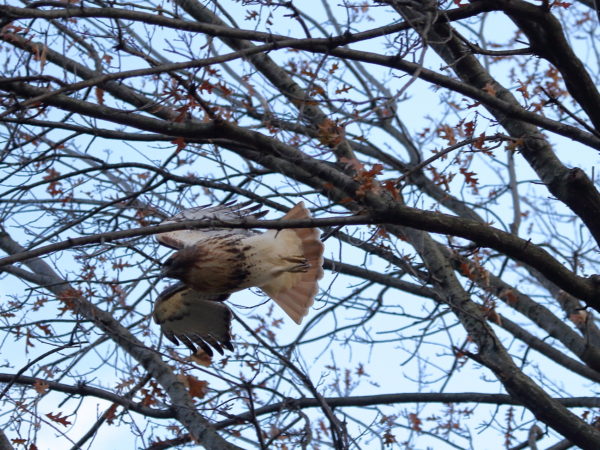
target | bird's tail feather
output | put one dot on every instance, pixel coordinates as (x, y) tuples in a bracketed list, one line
[(295, 290)]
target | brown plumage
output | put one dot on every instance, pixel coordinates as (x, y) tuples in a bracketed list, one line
[(194, 318), (212, 263)]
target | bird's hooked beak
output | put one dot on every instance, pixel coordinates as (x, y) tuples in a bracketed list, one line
[(166, 268), (163, 272)]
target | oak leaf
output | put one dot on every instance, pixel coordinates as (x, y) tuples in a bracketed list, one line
[(59, 418), (202, 358), (330, 133), (198, 388), (40, 386)]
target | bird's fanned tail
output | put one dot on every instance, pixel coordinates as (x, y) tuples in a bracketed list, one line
[(295, 290)]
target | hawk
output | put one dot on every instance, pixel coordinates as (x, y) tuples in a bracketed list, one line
[(212, 263)]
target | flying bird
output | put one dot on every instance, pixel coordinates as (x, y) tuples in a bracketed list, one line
[(211, 263)]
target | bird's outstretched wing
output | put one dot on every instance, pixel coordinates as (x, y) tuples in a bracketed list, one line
[(194, 318), (228, 211)]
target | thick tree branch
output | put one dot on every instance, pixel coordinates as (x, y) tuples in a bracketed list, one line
[(81, 389), (380, 400)]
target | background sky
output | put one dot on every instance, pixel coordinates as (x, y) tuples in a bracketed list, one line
[(397, 365)]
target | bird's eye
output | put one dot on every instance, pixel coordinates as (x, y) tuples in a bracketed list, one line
[(168, 262)]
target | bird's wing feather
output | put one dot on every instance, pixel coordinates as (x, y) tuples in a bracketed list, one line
[(194, 318), (228, 211)]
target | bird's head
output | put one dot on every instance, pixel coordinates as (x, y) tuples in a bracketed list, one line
[(179, 264)]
